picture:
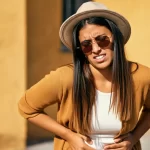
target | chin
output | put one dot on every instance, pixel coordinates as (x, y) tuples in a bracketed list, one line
[(103, 66)]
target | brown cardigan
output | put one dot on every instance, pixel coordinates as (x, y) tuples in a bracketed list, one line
[(56, 87)]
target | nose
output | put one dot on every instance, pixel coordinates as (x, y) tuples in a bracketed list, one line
[(95, 47)]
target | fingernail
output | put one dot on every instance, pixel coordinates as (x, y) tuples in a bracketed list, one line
[(90, 141)]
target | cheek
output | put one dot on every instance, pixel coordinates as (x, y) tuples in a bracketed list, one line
[(87, 55), (89, 58), (111, 54)]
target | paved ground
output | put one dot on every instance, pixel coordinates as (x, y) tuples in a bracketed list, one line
[(145, 140), (41, 146), (49, 145)]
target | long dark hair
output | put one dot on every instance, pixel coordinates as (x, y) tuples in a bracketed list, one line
[(84, 88)]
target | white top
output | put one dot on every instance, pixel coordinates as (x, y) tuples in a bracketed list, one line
[(105, 124)]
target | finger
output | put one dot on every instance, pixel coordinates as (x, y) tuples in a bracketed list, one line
[(88, 148), (113, 146), (116, 149), (121, 138), (118, 140), (86, 138)]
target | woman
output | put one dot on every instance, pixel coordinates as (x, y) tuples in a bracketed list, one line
[(101, 95)]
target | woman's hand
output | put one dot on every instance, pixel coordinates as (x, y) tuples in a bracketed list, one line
[(124, 142), (77, 142)]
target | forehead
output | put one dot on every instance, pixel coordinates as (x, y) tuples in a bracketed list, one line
[(91, 30)]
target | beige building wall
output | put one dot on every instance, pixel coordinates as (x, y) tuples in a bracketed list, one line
[(137, 12), (43, 50), (12, 73)]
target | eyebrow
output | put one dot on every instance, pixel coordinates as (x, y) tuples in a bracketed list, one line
[(89, 40), (85, 41)]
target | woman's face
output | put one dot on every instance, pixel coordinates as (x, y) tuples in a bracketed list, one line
[(96, 43)]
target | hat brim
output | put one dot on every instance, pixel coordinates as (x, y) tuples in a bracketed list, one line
[(66, 28)]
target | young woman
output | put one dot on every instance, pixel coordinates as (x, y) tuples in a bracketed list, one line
[(100, 96)]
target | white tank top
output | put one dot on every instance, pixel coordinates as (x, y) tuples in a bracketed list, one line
[(105, 124)]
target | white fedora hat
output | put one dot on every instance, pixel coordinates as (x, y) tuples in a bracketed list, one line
[(92, 9)]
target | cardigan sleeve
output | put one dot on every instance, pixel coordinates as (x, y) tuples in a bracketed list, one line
[(46, 92), (147, 101)]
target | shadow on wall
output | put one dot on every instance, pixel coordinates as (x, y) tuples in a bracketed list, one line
[(43, 52)]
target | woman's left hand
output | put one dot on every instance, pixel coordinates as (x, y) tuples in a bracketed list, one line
[(124, 142)]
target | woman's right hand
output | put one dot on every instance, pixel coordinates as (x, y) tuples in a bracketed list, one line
[(77, 142)]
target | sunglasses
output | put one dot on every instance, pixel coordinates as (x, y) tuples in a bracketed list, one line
[(103, 41)]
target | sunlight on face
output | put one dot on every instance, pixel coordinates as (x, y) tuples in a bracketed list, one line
[(99, 56)]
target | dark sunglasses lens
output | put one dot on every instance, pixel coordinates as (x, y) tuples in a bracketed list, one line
[(103, 41), (86, 46), (86, 49)]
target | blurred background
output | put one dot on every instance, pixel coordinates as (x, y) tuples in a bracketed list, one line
[(30, 48)]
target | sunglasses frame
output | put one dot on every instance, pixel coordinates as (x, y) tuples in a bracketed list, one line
[(88, 48)]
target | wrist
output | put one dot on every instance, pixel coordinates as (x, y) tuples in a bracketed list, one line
[(67, 134), (134, 137)]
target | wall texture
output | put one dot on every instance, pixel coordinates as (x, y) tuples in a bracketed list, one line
[(12, 73), (43, 48)]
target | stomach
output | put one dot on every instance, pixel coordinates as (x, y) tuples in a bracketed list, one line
[(99, 141)]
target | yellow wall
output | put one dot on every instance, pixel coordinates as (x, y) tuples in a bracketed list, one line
[(44, 54), (12, 73), (137, 12)]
